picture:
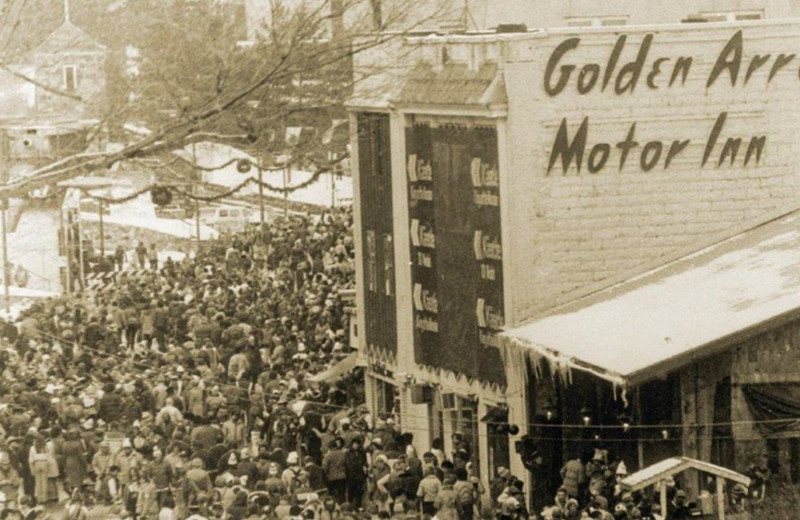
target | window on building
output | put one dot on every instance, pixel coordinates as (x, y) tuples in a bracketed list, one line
[(371, 264), (70, 78), (726, 16), (386, 398), (597, 21), (388, 265)]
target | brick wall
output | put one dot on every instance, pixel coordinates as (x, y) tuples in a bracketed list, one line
[(570, 230)]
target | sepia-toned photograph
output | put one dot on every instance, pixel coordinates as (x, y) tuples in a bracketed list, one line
[(400, 260)]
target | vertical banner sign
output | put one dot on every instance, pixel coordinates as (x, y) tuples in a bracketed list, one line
[(488, 251), (457, 276), (419, 173)]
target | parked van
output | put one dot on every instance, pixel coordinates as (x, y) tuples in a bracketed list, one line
[(227, 218)]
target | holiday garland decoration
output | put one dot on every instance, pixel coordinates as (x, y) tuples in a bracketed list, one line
[(243, 165), (170, 189)]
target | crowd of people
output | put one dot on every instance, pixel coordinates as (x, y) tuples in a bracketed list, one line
[(187, 391)]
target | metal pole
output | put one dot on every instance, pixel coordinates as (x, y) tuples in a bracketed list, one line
[(261, 193), (80, 250), (195, 189), (67, 251), (102, 235), (5, 259), (332, 173), (285, 193)]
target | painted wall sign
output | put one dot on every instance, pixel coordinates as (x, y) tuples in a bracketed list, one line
[(647, 70)]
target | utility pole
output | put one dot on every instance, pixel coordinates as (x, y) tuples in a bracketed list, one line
[(4, 158), (286, 193), (80, 250), (196, 179), (6, 293), (102, 234), (332, 173), (261, 191), (67, 251)]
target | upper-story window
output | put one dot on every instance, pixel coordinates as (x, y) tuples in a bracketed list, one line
[(70, 78), (597, 21), (727, 16), (371, 262)]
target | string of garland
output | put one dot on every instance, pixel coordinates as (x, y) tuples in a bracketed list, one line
[(211, 198)]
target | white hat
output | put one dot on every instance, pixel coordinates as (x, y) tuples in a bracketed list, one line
[(622, 469), (232, 459), (88, 424), (126, 443), (291, 458)]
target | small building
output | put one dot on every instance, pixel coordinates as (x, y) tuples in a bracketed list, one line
[(60, 74)]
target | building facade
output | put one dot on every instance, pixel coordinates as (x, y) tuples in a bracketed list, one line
[(501, 176)]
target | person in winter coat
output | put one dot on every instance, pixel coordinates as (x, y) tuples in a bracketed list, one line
[(333, 466), (39, 462), (119, 257), (446, 508), (75, 463), (152, 256), (132, 324), (428, 491), (573, 475), (465, 495), (127, 460), (238, 510), (141, 255), (110, 408), (355, 468), (9, 479), (147, 499)]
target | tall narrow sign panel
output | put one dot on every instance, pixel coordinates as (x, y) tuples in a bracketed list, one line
[(457, 276), (423, 243)]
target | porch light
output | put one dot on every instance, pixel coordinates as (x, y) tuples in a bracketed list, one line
[(586, 416)]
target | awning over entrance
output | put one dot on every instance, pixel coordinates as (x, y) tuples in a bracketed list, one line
[(672, 466), (690, 308), (339, 370)]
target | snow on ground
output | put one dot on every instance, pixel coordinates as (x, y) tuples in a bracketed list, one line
[(210, 155), (34, 245), (140, 213), (180, 228)]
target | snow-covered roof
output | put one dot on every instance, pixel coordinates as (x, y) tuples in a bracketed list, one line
[(674, 465), (670, 316)]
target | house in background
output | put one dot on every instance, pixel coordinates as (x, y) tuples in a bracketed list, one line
[(60, 76)]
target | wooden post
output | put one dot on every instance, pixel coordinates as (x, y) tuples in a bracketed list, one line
[(720, 498), (663, 497), (638, 418)]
